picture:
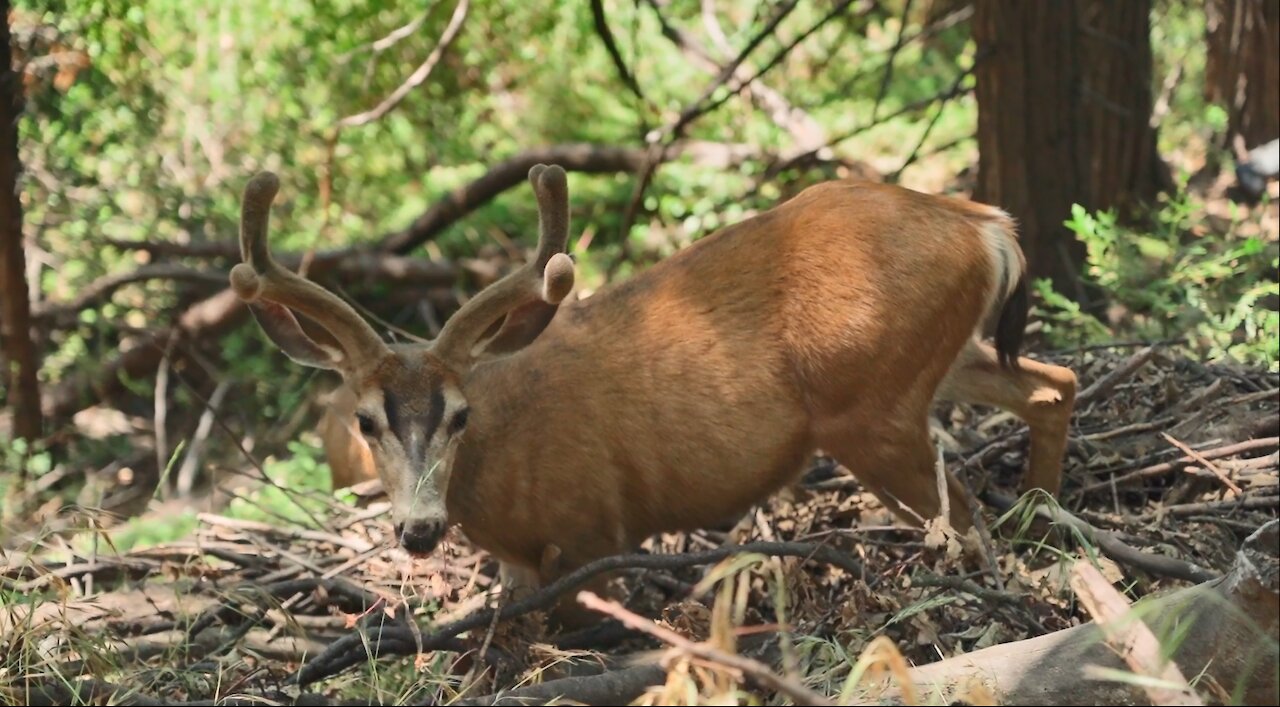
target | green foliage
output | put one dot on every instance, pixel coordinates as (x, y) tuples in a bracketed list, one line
[(1173, 279), (296, 493), (149, 531)]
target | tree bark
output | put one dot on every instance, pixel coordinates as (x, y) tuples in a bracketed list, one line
[(1064, 106), (1242, 69), (17, 351), (1125, 169), (1031, 143)]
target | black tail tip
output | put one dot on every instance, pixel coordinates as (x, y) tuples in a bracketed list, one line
[(1012, 325)]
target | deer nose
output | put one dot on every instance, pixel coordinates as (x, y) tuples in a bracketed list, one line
[(420, 537)]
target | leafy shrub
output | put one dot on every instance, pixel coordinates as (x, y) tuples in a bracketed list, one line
[(1171, 279)]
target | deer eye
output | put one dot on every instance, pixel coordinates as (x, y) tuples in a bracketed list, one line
[(366, 424), (459, 421)]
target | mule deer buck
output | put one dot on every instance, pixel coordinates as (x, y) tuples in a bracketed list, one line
[(680, 397)]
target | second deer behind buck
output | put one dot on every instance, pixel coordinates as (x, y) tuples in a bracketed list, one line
[(557, 431)]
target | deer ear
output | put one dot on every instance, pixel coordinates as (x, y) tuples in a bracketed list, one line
[(283, 329), (519, 328)]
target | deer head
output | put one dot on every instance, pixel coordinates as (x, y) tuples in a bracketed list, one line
[(410, 400)]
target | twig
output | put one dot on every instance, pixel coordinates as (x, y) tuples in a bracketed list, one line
[(1235, 504), (660, 143), (601, 23), (1115, 376), (967, 586), (263, 477), (1222, 475), (754, 669), (191, 460), (887, 77), (415, 79), (291, 533), (385, 43), (355, 648), (160, 425), (1157, 469), (1134, 428), (478, 665), (914, 155), (1130, 638)]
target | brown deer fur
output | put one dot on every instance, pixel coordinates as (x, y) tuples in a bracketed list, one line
[(680, 397)]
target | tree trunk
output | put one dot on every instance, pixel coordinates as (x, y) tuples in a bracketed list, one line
[(1064, 105), (1031, 143), (16, 349), (1125, 169), (1242, 69)]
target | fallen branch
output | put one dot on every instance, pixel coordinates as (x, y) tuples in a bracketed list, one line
[(1130, 638), (1234, 504), (1222, 475), (1113, 378), (1112, 546), (1225, 629), (758, 672), (614, 687), (1157, 469), (384, 641)]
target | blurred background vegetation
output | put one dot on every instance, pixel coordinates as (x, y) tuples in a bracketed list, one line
[(141, 122)]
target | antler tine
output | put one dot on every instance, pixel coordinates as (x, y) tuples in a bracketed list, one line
[(551, 188), (548, 276), (260, 277)]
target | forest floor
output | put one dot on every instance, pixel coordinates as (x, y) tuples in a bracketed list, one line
[(1171, 465)]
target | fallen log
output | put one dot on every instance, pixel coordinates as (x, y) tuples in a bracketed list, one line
[(1224, 631)]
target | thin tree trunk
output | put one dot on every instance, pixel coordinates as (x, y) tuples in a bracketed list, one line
[(1064, 94), (1125, 169), (1242, 69), (1031, 144), (16, 349)]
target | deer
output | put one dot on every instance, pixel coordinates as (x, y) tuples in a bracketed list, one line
[(556, 430)]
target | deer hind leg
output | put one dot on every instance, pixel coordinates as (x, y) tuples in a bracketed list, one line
[(1042, 395), (899, 465)]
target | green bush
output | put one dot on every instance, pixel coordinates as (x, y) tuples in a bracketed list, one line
[(1173, 280)]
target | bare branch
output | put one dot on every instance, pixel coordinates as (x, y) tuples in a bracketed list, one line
[(103, 287), (887, 77), (601, 23), (417, 77), (356, 647), (392, 38)]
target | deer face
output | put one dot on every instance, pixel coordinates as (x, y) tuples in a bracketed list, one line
[(412, 420), (409, 408)]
